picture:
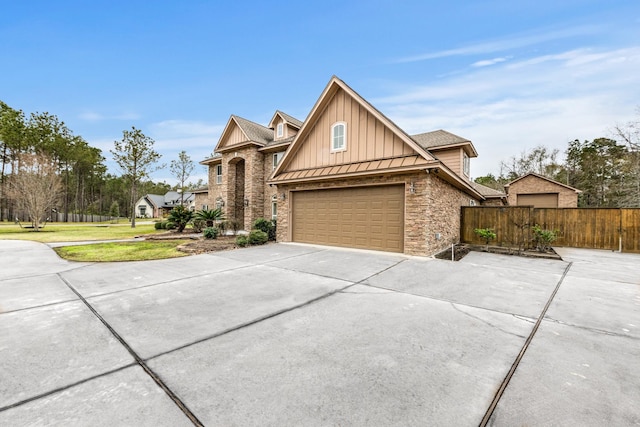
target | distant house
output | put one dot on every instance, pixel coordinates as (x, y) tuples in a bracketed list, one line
[(541, 192), (158, 206)]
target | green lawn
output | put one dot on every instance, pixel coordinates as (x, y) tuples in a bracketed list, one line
[(74, 232), (122, 251)]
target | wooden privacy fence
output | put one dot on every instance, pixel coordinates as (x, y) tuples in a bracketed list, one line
[(595, 228)]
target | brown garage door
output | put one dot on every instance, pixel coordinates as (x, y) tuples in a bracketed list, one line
[(362, 217), (543, 200)]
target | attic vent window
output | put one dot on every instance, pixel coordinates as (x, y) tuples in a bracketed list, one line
[(280, 130), (339, 136)]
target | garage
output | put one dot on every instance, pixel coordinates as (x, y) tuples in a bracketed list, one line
[(360, 217), (542, 200)]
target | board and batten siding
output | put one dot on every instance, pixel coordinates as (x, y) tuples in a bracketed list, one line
[(236, 136), (452, 158), (367, 138)]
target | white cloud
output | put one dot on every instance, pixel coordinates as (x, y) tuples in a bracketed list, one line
[(516, 105), (510, 42), (488, 62)]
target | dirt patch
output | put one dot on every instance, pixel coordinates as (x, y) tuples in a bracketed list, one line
[(461, 250), (201, 246)]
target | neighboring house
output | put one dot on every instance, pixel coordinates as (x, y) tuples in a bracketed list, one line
[(201, 198), (347, 176), (541, 192), (158, 206)]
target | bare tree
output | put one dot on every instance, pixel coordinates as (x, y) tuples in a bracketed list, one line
[(629, 135), (35, 187), (182, 169)]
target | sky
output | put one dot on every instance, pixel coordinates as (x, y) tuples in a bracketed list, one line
[(507, 75)]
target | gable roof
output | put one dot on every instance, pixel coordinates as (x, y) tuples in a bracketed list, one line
[(329, 91), (156, 199), (487, 192), (287, 118), (506, 186), (254, 132), (439, 139)]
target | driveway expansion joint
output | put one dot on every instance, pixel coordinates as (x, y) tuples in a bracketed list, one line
[(139, 361), (66, 387), (516, 362)]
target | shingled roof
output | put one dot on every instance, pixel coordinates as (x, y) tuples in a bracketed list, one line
[(438, 138), (254, 131), (487, 191), (290, 119)]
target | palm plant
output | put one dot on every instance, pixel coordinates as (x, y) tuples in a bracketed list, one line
[(180, 216), (210, 216)]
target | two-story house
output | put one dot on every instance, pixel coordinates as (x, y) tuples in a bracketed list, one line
[(347, 176)]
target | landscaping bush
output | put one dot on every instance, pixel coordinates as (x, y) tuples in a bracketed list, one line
[(543, 238), (180, 216), (235, 226), (486, 234), (158, 225), (222, 227), (210, 216), (267, 226), (242, 241), (258, 237), (169, 225), (198, 225), (210, 233)]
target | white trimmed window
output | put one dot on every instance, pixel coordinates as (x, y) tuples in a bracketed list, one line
[(274, 210), (276, 159), (466, 164), (280, 130), (218, 174), (339, 136)]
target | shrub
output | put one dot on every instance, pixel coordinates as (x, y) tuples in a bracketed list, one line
[(543, 238), (235, 226), (210, 233), (158, 225), (169, 225), (222, 227), (258, 237), (198, 225), (180, 216), (267, 226), (242, 241), (486, 234), (210, 215)]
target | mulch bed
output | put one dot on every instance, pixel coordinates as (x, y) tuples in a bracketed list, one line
[(199, 245), (460, 250)]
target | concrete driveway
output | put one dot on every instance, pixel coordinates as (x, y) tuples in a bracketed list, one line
[(301, 335)]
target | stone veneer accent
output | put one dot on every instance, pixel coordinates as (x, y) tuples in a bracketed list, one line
[(254, 185), (433, 208), (567, 198)]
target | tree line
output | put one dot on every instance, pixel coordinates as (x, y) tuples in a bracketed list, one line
[(42, 145), (607, 170)]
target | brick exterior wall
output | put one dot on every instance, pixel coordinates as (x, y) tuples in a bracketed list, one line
[(252, 187), (433, 208), (567, 198)]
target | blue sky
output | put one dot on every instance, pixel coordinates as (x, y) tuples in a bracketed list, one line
[(508, 75)]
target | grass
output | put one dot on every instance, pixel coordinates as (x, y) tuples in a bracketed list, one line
[(74, 232), (87, 231), (122, 251)]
